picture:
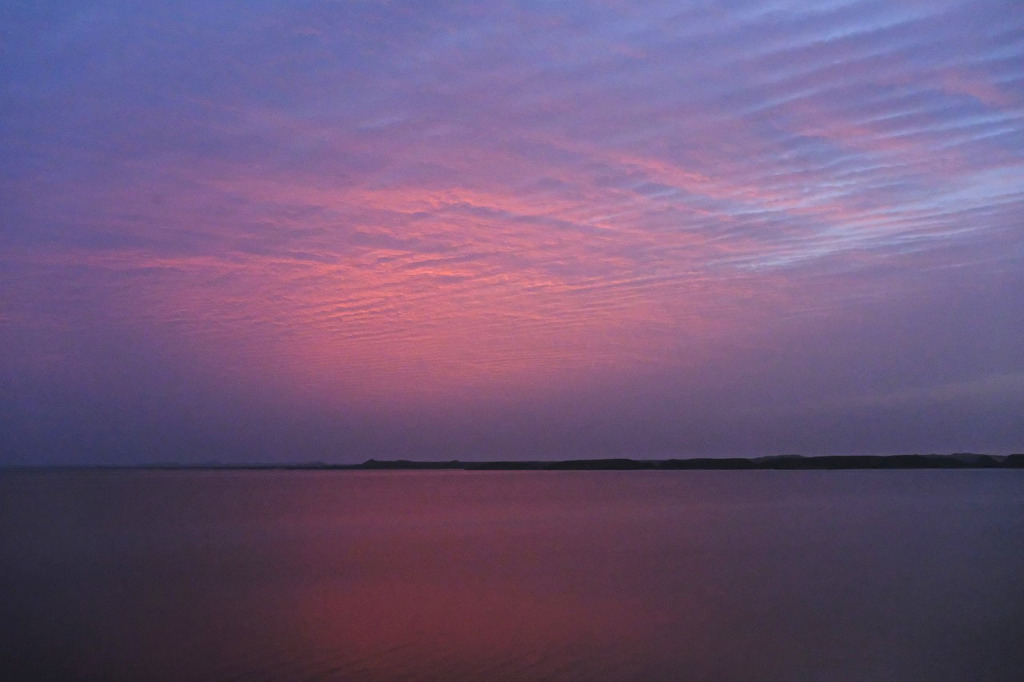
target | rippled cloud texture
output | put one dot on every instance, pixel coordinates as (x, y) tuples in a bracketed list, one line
[(289, 231)]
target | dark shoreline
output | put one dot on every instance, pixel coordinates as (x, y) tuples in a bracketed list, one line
[(777, 463)]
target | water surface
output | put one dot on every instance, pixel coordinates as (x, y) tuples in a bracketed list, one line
[(690, 575)]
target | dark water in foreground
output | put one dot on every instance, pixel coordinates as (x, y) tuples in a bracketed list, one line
[(854, 575)]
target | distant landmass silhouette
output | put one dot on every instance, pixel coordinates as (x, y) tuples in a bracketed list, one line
[(960, 460), (784, 462)]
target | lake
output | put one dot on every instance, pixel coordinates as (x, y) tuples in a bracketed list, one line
[(456, 575)]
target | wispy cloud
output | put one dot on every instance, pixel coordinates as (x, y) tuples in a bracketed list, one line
[(378, 199)]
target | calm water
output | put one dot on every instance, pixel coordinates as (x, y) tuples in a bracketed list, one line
[(915, 575)]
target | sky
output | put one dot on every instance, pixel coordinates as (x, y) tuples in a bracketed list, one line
[(294, 231)]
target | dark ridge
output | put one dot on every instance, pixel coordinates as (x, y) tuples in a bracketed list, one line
[(504, 466), (728, 463), (602, 464), (781, 462), (960, 460), (407, 464), (1015, 461)]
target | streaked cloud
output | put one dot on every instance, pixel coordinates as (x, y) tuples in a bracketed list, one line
[(406, 205)]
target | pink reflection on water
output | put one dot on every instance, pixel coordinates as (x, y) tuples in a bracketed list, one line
[(605, 575)]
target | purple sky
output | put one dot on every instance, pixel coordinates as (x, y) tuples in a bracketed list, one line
[(291, 231)]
